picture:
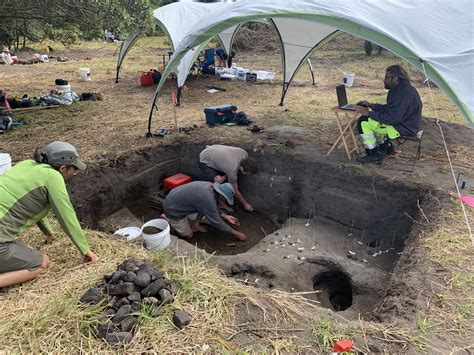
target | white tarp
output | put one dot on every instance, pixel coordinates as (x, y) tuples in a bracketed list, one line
[(435, 36)]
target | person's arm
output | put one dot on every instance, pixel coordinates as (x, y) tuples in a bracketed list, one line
[(62, 207), (240, 197), (209, 209), (394, 112), (45, 227)]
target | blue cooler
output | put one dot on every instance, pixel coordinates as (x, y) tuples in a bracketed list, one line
[(217, 114)]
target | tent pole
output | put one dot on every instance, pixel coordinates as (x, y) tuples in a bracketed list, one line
[(311, 70), (178, 96), (153, 106), (283, 94)]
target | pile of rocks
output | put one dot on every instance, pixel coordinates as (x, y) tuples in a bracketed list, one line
[(126, 291)]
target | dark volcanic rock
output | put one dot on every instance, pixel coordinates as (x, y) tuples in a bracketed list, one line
[(174, 288), (143, 279), (150, 301), (128, 323), (128, 265), (121, 302), (135, 306), (109, 312), (155, 275), (130, 277), (165, 296), (92, 296), (153, 288), (123, 289), (118, 337), (104, 328), (122, 313), (136, 296), (117, 276), (181, 319)]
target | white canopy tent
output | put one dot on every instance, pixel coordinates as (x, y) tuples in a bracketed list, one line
[(436, 37), (177, 20)]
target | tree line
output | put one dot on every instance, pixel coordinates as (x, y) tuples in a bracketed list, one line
[(70, 21)]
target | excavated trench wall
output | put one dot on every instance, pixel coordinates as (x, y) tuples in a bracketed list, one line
[(286, 185)]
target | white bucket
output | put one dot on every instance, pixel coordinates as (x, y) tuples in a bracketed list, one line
[(63, 88), (5, 162), (159, 240), (85, 74), (348, 79)]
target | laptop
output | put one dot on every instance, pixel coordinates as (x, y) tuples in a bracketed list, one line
[(342, 98)]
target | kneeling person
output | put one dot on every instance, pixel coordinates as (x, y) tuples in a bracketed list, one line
[(28, 191), (203, 198), (222, 162)]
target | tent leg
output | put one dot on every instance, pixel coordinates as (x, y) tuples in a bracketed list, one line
[(117, 76), (283, 94), (178, 96), (311, 70), (149, 134)]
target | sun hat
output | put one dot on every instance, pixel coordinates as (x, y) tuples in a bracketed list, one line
[(226, 190), (61, 153), (5, 49)]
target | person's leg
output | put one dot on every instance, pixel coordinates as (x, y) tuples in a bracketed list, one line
[(209, 173), (20, 276), (181, 227), (19, 263), (367, 128), (382, 132)]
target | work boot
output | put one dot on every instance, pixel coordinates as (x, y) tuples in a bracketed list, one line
[(372, 156), (386, 148)]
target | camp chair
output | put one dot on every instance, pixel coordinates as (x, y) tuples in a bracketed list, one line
[(418, 137), (208, 60)]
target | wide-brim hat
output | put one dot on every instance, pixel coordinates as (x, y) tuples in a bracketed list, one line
[(226, 190), (62, 153), (5, 49)]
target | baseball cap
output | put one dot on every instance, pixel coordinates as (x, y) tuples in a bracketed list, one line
[(225, 190), (62, 153)]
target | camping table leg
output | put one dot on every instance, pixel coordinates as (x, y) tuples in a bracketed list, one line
[(343, 129), (341, 137), (356, 146)]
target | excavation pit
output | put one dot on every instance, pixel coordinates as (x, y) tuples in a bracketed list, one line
[(315, 218)]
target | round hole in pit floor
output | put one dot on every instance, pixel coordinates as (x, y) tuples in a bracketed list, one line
[(335, 290)]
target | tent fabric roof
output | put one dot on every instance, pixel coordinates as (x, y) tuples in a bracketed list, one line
[(434, 36)]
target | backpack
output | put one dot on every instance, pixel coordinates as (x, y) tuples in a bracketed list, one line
[(146, 79)]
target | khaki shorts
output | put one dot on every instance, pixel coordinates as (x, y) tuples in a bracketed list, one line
[(181, 226), (16, 256)]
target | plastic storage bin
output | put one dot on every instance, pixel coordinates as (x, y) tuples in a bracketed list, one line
[(176, 180), (217, 114)]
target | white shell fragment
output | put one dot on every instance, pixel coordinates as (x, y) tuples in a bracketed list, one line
[(351, 252), (300, 249)]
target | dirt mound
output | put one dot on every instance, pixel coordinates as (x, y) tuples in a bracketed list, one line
[(256, 36)]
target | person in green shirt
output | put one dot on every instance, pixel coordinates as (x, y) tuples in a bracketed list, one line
[(28, 191)]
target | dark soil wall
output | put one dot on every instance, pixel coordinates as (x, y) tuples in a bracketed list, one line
[(285, 185)]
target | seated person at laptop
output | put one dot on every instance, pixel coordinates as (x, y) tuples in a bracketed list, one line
[(400, 116)]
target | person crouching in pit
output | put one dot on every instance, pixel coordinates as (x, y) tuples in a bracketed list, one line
[(203, 198), (28, 191)]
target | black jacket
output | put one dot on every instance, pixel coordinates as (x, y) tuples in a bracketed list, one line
[(402, 111)]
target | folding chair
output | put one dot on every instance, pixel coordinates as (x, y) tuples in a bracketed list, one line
[(208, 61), (418, 137)]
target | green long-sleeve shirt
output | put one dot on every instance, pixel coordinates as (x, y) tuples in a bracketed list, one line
[(28, 191)]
